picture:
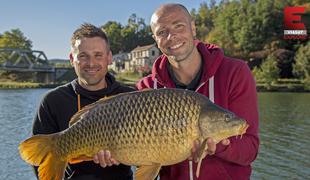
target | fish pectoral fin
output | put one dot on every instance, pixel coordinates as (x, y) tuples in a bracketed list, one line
[(147, 172), (80, 159), (201, 153)]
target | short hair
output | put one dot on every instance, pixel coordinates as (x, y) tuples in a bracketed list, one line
[(87, 30)]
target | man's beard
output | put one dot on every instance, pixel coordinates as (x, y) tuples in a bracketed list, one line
[(92, 81), (182, 57)]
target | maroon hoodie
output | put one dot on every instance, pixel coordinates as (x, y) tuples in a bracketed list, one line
[(235, 90)]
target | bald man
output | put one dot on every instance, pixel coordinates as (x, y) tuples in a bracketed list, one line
[(190, 64)]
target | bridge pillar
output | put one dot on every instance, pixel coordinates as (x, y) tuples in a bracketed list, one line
[(45, 77)]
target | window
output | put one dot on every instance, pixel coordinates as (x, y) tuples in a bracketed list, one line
[(153, 53)]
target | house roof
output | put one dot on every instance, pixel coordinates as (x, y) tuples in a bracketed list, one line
[(143, 48), (120, 57)]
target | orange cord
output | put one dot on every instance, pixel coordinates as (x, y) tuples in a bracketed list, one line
[(79, 102)]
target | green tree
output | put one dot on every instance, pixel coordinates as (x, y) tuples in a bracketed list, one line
[(225, 26), (145, 36), (299, 2), (125, 38), (301, 68), (135, 33), (203, 20), (129, 38), (246, 26), (113, 30), (15, 39), (268, 71)]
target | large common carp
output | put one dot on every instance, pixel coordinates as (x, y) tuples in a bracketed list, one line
[(148, 129)]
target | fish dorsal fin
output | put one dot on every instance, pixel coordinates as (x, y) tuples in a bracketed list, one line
[(200, 154), (148, 172), (76, 117)]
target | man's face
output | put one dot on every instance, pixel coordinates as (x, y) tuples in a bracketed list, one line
[(90, 58), (174, 33)]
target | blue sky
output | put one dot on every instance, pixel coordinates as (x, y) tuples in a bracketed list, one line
[(50, 23)]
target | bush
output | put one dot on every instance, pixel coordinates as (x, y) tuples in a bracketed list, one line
[(306, 83), (268, 72), (301, 68), (257, 73)]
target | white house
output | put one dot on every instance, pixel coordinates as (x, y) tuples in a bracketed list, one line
[(143, 56)]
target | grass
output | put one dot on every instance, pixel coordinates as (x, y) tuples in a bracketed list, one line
[(17, 85), (129, 78)]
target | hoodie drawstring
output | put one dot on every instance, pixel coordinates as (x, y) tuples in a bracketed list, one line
[(155, 83), (79, 102), (211, 97), (190, 163), (211, 89)]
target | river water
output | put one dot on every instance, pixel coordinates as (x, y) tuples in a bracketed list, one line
[(284, 131)]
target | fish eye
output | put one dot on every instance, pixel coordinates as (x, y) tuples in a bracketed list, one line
[(227, 117)]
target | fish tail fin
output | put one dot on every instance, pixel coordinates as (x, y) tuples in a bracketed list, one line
[(39, 151)]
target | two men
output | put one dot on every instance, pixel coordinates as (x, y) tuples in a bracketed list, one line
[(186, 63)]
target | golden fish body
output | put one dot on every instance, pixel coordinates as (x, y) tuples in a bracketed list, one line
[(148, 128)]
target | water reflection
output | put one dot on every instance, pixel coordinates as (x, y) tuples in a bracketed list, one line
[(16, 113), (284, 132)]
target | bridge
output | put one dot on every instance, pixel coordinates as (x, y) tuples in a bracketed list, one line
[(18, 60)]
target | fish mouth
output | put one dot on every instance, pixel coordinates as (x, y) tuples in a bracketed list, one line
[(242, 129), (237, 131)]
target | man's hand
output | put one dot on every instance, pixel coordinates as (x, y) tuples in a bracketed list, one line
[(104, 158), (210, 150)]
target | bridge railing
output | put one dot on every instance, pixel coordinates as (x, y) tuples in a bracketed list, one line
[(12, 59)]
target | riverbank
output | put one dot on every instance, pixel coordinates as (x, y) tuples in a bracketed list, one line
[(261, 87), (284, 85), (128, 79), (28, 85), (281, 88)]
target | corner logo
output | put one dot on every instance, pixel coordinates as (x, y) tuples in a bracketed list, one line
[(294, 28)]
